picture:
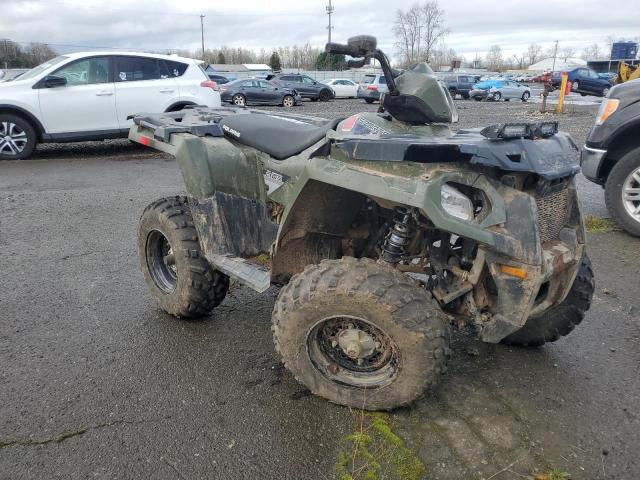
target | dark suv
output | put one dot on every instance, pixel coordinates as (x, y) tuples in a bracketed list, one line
[(584, 81), (611, 156), (306, 86), (460, 84)]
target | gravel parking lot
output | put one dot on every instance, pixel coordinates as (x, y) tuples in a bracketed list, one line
[(97, 382)]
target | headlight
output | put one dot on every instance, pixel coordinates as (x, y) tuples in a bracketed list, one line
[(455, 203), (607, 107)]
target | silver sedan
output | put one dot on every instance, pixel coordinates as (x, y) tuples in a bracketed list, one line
[(508, 89)]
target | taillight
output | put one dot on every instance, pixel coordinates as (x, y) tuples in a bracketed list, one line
[(210, 84), (372, 87)]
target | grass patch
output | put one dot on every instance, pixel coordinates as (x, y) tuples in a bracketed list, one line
[(554, 475), (595, 224), (375, 452)]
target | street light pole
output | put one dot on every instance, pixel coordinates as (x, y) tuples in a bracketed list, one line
[(202, 33)]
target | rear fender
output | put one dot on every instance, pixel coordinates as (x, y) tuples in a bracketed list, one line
[(227, 195), (313, 227)]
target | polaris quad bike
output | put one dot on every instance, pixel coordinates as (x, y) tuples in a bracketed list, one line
[(384, 229)]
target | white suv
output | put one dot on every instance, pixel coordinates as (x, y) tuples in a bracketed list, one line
[(88, 96)]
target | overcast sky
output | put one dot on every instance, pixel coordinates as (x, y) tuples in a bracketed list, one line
[(162, 24)]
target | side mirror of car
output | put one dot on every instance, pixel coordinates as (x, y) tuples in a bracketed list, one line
[(52, 81), (315, 83)]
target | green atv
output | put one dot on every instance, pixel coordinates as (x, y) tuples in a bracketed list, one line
[(383, 228)]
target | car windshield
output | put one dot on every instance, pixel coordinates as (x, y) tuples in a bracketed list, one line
[(35, 71)]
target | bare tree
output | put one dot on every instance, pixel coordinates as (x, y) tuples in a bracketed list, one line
[(519, 61), (534, 53), (407, 30), (609, 42), (418, 31), (494, 58), (593, 52), (566, 53), (434, 29)]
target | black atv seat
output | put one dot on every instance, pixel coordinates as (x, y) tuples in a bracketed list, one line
[(280, 137)]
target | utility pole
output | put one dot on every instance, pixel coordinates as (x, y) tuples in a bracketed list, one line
[(330, 10), (555, 53), (202, 33)]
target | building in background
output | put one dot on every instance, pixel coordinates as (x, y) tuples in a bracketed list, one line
[(561, 65), (624, 50)]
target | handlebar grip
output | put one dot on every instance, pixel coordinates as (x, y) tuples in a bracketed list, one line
[(340, 49)]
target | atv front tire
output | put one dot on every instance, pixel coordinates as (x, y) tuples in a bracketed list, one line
[(360, 334), (179, 277), (560, 320)]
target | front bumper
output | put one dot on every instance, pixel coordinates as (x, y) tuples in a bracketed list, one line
[(590, 161), (478, 93)]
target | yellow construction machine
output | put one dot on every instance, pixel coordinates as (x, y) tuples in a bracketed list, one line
[(627, 72)]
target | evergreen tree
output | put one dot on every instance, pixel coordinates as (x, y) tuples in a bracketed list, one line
[(274, 62)]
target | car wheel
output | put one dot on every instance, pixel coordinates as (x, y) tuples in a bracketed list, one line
[(239, 100), (622, 192), (477, 99), (369, 100), (17, 138), (575, 86), (525, 96), (605, 91), (465, 96), (325, 96), (288, 101), (497, 96)]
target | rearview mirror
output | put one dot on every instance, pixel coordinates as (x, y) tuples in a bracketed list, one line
[(52, 81)]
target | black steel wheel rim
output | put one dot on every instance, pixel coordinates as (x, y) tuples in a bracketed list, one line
[(373, 371), (161, 262)]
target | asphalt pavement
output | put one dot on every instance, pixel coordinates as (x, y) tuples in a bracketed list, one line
[(97, 382)]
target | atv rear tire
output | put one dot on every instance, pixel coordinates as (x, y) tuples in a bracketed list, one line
[(560, 320), (320, 312), (180, 279)]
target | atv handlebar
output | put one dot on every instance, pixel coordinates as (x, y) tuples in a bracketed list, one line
[(353, 51), (341, 49)]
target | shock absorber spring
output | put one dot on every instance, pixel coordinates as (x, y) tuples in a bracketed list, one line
[(399, 236)]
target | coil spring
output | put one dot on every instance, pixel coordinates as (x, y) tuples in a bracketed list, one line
[(399, 236)]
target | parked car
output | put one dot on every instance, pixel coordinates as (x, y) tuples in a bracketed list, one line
[(371, 86), (609, 76), (255, 91), (343, 87), (89, 96), (219, 79), (611, 155), (460, 84), (584, 81), (500, 89), (306, 86)]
